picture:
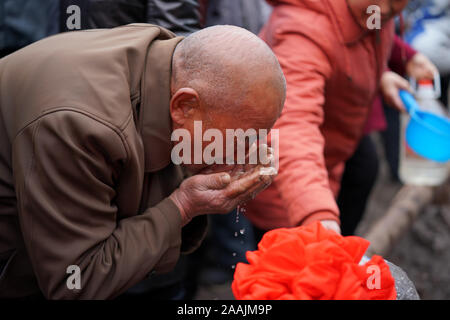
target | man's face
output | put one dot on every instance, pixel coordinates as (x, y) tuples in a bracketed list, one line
[(258, 111), (388, 9)]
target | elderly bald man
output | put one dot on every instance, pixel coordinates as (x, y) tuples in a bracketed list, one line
[(90, 200)]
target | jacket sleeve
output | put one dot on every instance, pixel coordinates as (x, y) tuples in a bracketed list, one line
[(401, 54), (303, 181), (65, 166)]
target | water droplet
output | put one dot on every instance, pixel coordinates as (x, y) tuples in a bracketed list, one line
[(242, 231), (233, 266), (236, 234), (234, 254)]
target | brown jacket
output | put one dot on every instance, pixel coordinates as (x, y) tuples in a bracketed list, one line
[(85, 168)]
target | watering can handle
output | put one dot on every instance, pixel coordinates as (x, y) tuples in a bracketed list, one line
[(409, 101)]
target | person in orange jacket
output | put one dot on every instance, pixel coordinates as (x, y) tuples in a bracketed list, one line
[(334, 63), (361, 170)]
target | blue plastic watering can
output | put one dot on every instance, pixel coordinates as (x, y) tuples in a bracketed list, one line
[(427, 134)]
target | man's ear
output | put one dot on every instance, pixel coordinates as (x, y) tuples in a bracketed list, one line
[(183, 105)]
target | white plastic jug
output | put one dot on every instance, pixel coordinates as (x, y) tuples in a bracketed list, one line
[(414, 169)]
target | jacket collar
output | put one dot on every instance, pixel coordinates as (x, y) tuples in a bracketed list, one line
[(342, 17), (155, 124)]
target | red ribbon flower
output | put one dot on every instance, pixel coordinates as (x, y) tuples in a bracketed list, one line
[(312, 263)]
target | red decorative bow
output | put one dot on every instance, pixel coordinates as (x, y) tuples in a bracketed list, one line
[(312, 263)]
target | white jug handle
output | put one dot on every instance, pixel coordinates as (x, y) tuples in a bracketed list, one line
[(437, 85)]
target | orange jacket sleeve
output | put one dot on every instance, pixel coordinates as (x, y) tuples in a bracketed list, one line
[(303, 178)]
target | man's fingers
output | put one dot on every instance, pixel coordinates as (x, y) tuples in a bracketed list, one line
[(250, 182), (259, 155), (251, 193), (237, 172), (243, 184), (218, 168), (216, 181), (264, 181), (265, 154), (251, 160)]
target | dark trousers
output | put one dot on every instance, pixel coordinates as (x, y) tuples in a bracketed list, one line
[(359, 177)]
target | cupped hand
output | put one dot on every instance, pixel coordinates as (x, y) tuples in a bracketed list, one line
[(221, 188)]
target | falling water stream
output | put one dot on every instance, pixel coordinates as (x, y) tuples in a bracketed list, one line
[(239, 210)]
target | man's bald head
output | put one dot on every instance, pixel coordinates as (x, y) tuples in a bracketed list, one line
[(224, 64), (224, 77)]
